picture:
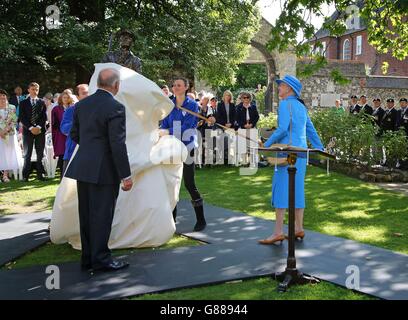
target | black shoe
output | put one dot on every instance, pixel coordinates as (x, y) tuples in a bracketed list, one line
[(25, 179), (200, 226), (41, 178), (113, 266), (86, 267)]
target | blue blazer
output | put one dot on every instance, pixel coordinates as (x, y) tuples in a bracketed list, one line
[(302, 126), (178, 122)]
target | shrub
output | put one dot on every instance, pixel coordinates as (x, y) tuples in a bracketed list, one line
[(356, 138), (267, 122)]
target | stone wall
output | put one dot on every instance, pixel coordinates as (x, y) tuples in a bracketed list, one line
[(320, 87)]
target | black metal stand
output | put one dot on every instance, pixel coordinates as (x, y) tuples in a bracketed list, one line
[(291, 275)]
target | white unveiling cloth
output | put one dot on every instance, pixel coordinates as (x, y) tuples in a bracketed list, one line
[(143, 216)]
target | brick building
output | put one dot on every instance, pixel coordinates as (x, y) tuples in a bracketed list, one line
[(353, 46)]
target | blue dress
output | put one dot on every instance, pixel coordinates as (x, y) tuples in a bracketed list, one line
[(302, 129)]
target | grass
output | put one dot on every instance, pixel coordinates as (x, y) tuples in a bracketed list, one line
[(336, 205), (23, 197), (259, 289)]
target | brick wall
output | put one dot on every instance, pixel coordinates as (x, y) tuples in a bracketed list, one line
[(369, 55)]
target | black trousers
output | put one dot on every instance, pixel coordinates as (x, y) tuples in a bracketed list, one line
[(60, 165), (29, 141), (96, 209), (189, 178)]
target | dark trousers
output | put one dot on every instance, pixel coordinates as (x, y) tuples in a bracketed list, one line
[(96, 209), (60, 166), (29, 141), (189, 179)]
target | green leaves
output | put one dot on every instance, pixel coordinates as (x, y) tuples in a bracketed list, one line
[(209, 38), (356, 138), (386, 20)]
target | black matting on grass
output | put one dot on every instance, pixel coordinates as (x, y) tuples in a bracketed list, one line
[(232, 254), (20, 233)]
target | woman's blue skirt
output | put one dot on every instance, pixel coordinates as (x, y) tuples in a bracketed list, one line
[(280, 186)]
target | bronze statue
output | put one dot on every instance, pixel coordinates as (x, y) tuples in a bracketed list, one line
[(124, 56)]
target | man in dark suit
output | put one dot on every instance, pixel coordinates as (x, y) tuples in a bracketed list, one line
[(378, 112), (403, 121), (33, 116), (100, 164), (17, 97), (390, 119), (364, 107), (354, 106)]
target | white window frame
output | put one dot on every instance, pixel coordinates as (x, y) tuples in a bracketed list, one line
[(359, 45), (344, 47)]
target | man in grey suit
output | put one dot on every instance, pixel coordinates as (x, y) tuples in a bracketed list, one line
[(99, 166)]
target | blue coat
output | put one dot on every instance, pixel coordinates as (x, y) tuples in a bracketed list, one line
[(302, 129), (65, 128), (182, 124)]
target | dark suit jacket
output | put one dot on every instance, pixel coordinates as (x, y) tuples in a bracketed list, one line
[(99, 127), (355, 108), (390, 121), (378, 114), (25, 115), (367, 109), (403, 121), (222, 114), (241, 116), (14, 100)]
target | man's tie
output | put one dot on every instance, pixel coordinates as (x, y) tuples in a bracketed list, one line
[(34, 115)]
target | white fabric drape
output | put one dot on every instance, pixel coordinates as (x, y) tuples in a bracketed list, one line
[(143, 216)]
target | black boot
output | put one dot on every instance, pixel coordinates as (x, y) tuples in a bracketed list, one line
[(199, 211), (175, 214)]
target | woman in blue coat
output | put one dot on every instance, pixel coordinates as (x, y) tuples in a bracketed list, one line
[(294, 128)]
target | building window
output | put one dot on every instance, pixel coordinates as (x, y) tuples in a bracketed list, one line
[(347, 50), (359, 45)]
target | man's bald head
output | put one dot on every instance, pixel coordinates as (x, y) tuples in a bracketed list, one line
[(109, 80)]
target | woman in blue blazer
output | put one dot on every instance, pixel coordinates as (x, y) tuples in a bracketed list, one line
[(294, 128)]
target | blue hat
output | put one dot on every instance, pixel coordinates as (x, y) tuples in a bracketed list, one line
[(292, 82)]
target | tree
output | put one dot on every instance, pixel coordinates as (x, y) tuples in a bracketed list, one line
[(386, 20), (205, 37)]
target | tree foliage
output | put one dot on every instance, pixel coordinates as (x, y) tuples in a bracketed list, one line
[(206, 37), (386, 21)]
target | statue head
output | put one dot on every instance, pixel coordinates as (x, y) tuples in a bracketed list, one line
[(126, 38)]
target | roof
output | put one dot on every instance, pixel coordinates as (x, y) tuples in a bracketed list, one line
[(323, 33), (387, 82)]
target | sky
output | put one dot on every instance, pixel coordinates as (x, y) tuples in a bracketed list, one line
[(270, 10)]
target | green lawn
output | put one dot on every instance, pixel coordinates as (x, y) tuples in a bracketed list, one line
[(259, 289), (23, 197), (336, 205)]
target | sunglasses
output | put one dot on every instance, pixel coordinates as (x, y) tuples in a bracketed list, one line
[(245, 97)]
